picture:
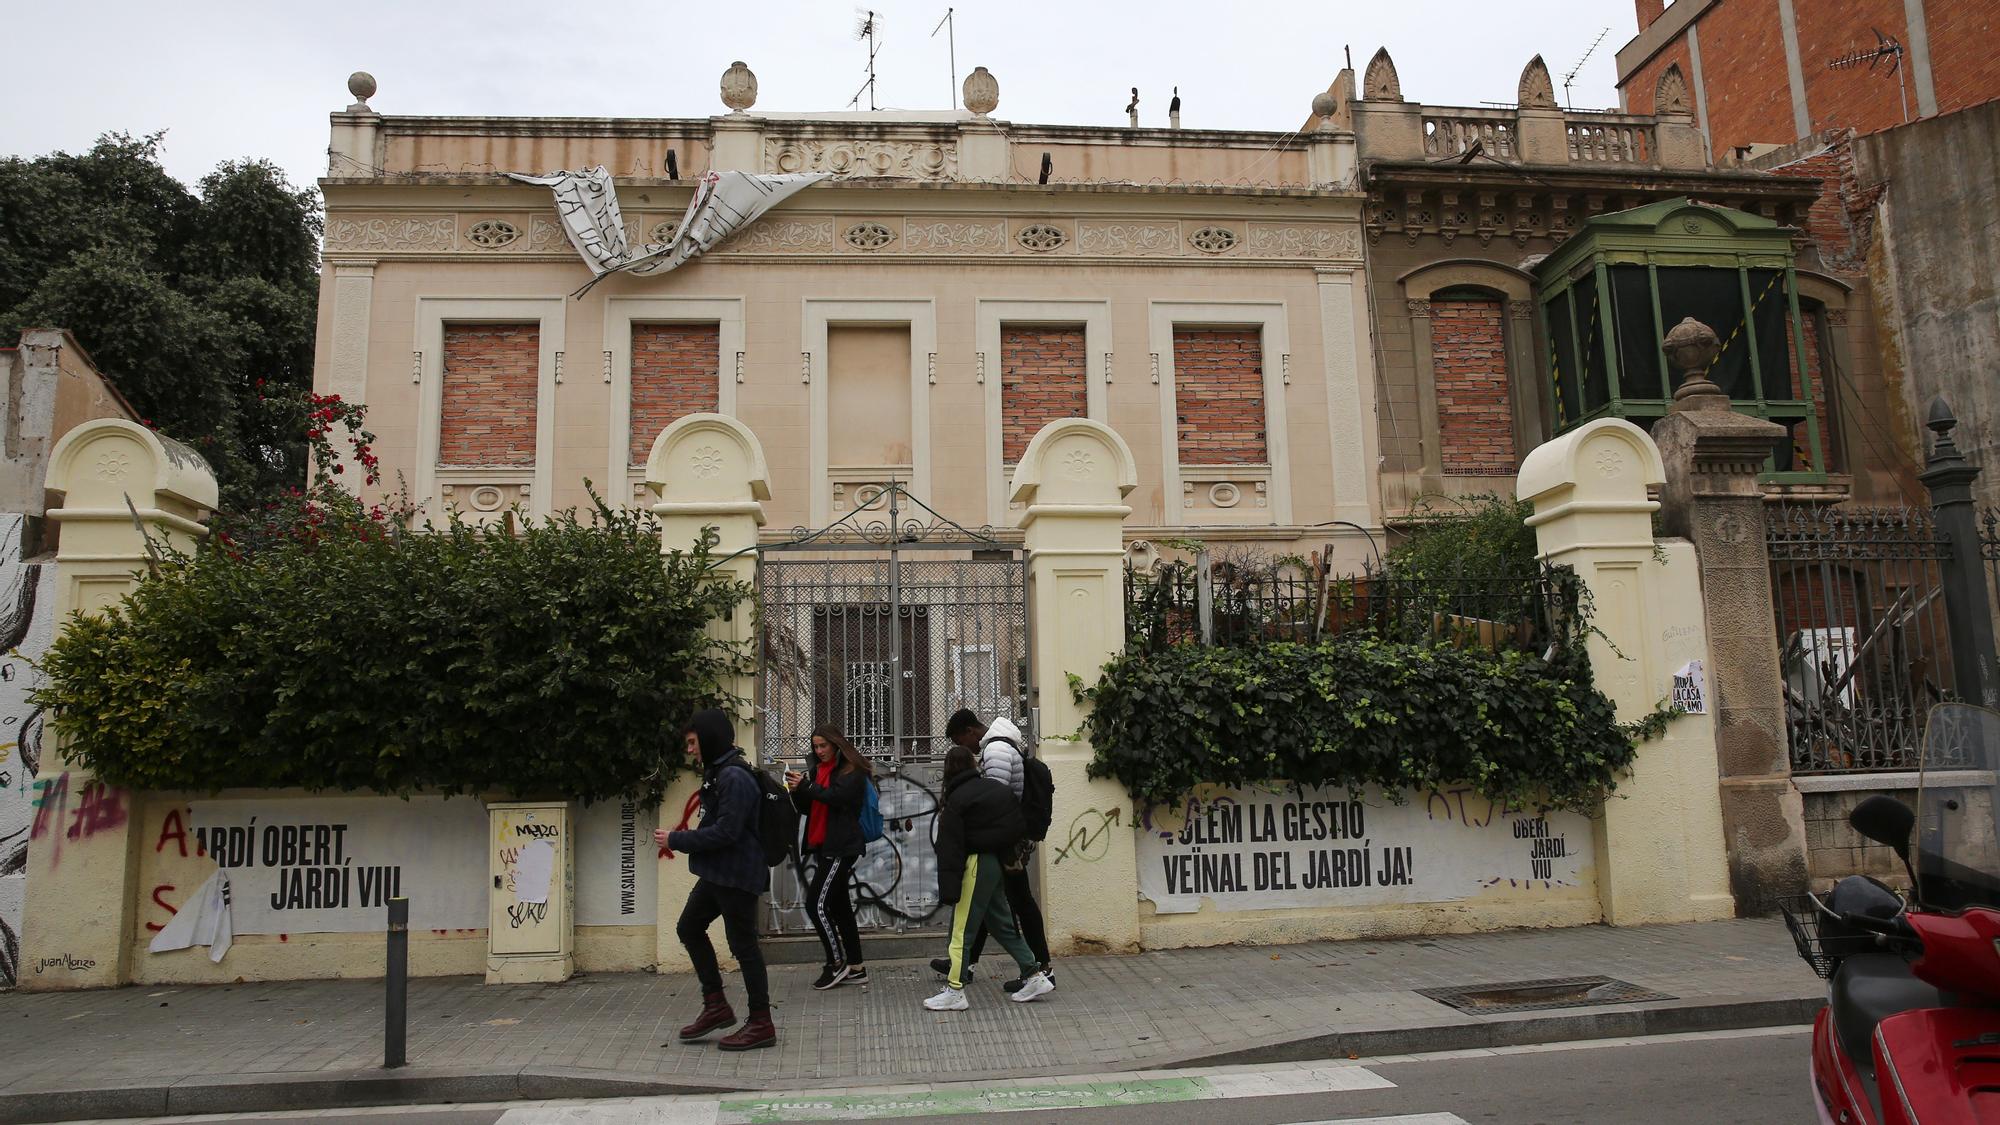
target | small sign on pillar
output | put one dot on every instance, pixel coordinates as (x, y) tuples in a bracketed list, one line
[(530, 935)]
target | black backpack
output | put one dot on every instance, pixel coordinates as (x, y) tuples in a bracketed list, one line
[(777, 818), (1038, 793), (1038, 796)]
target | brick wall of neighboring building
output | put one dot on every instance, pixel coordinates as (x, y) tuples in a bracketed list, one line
[(491, 376), (1748, 86), (1043, 377), (1475, 415), (1840, 221), (1640, 88), (675, 372), (1965, 66), (1743, 70), (1851, 97), (1219, 396)]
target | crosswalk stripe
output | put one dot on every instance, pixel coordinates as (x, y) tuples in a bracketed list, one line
[(1069, 1092), (1406, 1119)]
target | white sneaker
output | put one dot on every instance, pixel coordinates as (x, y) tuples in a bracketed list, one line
[(1037, 985), (949, 1000)]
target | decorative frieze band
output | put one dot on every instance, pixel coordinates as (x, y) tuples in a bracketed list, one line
[(515, 234), (913, 160), (412, 232)]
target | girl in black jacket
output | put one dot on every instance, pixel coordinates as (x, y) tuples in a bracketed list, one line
[(830, 797)]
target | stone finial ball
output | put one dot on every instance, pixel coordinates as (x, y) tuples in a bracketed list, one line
[(1325, 105), (1691, 344), (739, 87), (361, 84), (982, 91)]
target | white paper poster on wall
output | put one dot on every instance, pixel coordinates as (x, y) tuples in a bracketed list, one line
[(331, 865), (617, 880), (1273, 848)]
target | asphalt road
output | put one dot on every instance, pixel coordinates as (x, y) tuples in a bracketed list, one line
[(1715, 1079)]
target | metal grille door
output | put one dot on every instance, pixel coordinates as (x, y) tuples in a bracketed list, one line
[(884, 635)]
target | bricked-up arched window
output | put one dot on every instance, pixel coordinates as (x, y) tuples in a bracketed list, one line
[(489, 402), (1615, 289), (1469, 369)]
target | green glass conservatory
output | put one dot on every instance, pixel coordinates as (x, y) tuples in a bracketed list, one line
[(1614, 289)]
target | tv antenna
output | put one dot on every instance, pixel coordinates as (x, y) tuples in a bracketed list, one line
[(950, 30), (869, 31), (1570, 78), (1886, 47)]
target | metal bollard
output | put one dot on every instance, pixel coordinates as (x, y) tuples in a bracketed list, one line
[(396, 1009)]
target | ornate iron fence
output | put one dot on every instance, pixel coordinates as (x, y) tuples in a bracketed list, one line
[(1239, 602), (1863, 633)]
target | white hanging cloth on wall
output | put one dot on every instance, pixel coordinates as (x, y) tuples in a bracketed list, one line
[(724, 203)]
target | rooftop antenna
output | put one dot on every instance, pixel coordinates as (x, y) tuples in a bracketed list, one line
[(1886, 47), (1570, 78), (950, 30), (868, 30)]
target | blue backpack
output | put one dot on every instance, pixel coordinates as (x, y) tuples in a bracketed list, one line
[(871, 814)]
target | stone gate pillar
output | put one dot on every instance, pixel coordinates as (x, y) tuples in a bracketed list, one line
[(1072, 481), (708, 472), (1713, 456), (120, 484), (1659, 838)]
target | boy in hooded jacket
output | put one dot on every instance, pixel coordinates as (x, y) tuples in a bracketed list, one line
[(978, 821), (999, 750), (727, 859)]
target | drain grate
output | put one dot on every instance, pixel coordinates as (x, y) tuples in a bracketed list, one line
[(1537, 995)]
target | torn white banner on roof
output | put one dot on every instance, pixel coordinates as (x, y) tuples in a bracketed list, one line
[(724, 203), (202, 920)]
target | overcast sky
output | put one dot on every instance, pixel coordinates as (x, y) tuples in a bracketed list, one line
[(240, 79)]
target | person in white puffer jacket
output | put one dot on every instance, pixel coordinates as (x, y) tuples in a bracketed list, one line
[(1000, 747), (1000, 754)]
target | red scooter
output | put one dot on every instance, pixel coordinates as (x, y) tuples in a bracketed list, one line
[(1910, 1034)]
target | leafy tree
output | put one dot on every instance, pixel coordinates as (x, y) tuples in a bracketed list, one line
[(192, 302)]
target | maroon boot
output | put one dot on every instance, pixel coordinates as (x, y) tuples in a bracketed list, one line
[(757, 1031), (715, 1012)]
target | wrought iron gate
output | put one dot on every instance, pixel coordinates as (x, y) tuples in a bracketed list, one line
[(1864, 639), (883, 624)]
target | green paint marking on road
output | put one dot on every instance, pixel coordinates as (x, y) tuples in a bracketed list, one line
[(936, 1103)]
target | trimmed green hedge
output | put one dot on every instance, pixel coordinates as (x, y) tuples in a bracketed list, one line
[(560, 661)]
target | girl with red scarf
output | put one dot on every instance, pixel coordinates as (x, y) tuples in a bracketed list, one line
[(831, 797)]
